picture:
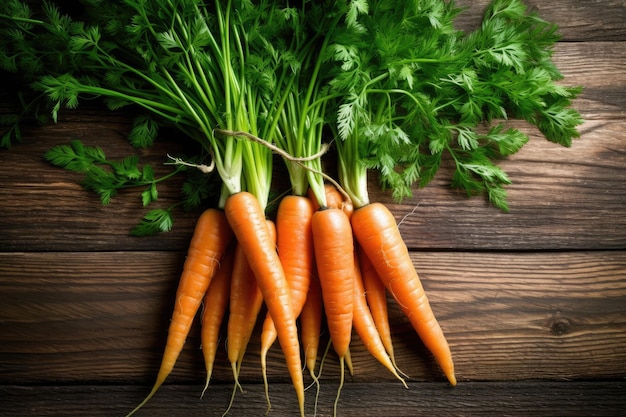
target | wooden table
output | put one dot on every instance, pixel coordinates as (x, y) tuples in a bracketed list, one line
[(533, 301)]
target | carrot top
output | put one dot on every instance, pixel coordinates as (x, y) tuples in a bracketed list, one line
[(395, 82)]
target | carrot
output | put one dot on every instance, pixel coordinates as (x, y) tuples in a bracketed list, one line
[(348, 360), (295, 251), (311, 324), (215, 303), (376, 231), (334, 199), (247, 220), (365, 326), (295, 245), (210, 239), (376, 296), (334, 255), (246, 301)]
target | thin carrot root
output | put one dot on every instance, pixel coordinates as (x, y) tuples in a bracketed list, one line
[(209, 371), (235, 367), (155, 388), (316, 381), (398, 369), (341, 381), (348, 362), (231, 402), (319, 374), (265, 381)]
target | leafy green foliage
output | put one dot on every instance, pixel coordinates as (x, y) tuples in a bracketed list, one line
[(12, 132), (144, 132), (106, 177), (440, 91), (393, 80), (155, 221), (102, 175)]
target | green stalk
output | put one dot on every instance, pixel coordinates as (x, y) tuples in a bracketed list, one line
[(352, 171)]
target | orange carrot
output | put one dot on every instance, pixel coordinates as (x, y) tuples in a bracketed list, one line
[(334, 256), (311, 324), (332, 238), (247, 220), (376, 296), (348, 361), (310, 329), (215, 303), (246, 301), (295, 251), (365, 326), (334, 199), (376, 231), (210, 239)]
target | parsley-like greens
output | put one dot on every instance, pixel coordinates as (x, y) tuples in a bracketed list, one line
[(414, 89), (106, 176), (393, 82)]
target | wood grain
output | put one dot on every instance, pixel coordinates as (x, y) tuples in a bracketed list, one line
[(507, 316), (588, 21), (484, 399), (533, 301)]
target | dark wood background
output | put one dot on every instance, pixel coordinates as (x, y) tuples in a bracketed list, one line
[(533, 301)]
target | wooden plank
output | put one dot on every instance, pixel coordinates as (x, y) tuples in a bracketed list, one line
[(523, 399), (578, 20), (507, 316), (603, 79), (560, 198)]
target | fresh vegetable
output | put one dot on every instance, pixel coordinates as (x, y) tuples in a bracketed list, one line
[(376, 296), (311, 324), (245, 304), (377, 233), (295, 251), (365, 326), (334, 257), (215, 305), (211, 237), (247, 221), (310, 329)]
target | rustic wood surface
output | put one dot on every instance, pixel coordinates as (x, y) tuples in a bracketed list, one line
[(533, 301)]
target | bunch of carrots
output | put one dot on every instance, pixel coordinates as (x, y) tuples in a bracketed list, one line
[(307, 265), (392, 84)]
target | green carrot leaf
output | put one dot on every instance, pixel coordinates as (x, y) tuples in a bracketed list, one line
[(155, 221)]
